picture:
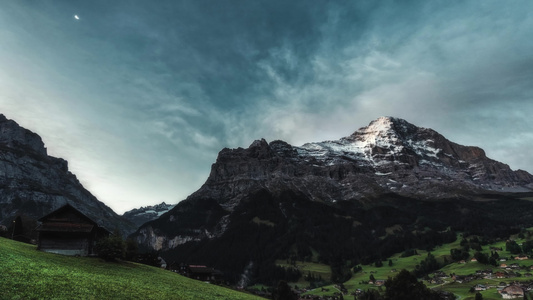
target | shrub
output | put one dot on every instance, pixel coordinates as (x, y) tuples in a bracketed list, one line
[(111, 248)]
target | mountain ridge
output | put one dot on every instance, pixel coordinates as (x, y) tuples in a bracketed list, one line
[(402, 157), (33, 184), (141, 215), (390, 186), (390, 155)]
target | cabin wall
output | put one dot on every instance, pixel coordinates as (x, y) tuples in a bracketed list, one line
[(66, 245)]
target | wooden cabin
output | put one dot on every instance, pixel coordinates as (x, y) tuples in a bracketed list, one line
[(67, 231), (198, 272)]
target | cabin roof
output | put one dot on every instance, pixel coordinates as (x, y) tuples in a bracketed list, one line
[(56, 221), (513, 289), (63, 209)]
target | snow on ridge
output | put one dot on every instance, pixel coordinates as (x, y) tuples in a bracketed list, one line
[(424, 148), (379, 133), (381, 124), (383, 174), (157, 209), (388, 133)]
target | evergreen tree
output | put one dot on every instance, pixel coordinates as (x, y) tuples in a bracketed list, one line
[(481, 258), (513, 247), (111, 248), (426, 266), (370, 294), (131, 250), (284, 292), (405, 286), (372, 278)]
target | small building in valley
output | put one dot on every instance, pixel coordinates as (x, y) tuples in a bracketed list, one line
[(198, 272), (512, 292), (67, 231)]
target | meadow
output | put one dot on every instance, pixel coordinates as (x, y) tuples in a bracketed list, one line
[(26, 273), (360, 279)]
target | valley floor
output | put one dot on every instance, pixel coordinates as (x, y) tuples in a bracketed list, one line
[(461, 288)]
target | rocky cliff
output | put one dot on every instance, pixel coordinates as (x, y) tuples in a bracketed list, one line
[(32, 183), (389, 156)]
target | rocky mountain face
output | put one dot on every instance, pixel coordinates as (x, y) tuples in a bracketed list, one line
[(33, 184), (391, 164), (389, 155), (139, 216)]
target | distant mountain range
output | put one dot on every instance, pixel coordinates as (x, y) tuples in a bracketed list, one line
[(376, 185), (139, 216), (32, 183)]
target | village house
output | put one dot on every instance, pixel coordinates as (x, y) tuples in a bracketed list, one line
[(198, 272), (67, 231), (441, 275), (512, 292), (484, 273), (436, 280), (501, 286), (521, 257), (462, 278), (511, 274), (379, 282)]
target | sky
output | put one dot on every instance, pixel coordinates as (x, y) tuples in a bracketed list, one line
[(140, 96)]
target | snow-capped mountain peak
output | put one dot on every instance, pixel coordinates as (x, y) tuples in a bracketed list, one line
[(144, 214), (390, 155), (382, 142)]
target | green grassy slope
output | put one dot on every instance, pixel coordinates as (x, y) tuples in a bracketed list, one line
[(461, 290), (26, 273), (315, 269)]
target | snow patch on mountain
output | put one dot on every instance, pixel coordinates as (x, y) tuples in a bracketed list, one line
[(142, 215), (377, 144)]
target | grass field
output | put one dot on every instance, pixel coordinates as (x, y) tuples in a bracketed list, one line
[(26, 273), (316, 269), (461, 290)]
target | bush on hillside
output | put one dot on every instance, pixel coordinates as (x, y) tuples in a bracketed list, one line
[(111, 248)]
